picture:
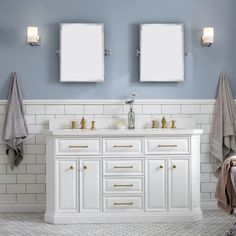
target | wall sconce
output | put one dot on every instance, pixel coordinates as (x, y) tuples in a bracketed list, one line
[(33, 38), (207, 36)]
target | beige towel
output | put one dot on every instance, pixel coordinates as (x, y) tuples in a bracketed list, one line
[(223, 142), (225, 193)]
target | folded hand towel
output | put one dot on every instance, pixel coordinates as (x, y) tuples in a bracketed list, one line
[(15, 129), (223, 142)]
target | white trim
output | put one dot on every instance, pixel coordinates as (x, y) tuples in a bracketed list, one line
[(22, 207), (209, 205), (114, 101)]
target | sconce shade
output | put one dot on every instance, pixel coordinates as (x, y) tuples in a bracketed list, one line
[(208, 36), (32, 35)]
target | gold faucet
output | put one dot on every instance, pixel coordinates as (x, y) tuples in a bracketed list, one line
[(163, 123), (73, 124), (154, 124), (93, 125), (173, 126), (83, 123)]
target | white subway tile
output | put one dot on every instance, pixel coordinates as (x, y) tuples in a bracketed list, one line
[(5, 179), (206, 167), (205, 148), (151, 109), (3, 188), (206, 128), (205, 196), (36, 149), (3, 169), (93, 109), (38, 168), (201, 119), (26, 178), (30, 139), (40, 159), (112, 109), (41, 178), (214, 179), (208, 187), (74, 109), (44, 119), (138, 109), (170, 109), (55, 109), (205, 138), (205, 158), (35, 109), (40, 139), (207, 109), (35, 188), (36, 129), (25, 197), (16, 170), (40, 197), (205, 177), (7, 197), (4, 159), (30, 119), (28, 159), (190, 109), (15, 188), (2, 109)]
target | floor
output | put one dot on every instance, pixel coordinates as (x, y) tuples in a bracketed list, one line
[(26, 224)]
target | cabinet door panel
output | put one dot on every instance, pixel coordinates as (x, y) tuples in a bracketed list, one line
[(67, 185), (178, 184), (155, 184), (90, 185)]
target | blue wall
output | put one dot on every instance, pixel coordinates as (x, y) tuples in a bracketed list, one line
[(38, 67)]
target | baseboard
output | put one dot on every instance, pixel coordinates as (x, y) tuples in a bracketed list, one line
[(22, 207), (209, 205)]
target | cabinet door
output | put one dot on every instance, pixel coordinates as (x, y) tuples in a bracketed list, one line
[(178, 184), (156, 184), (67, 185), (90, 185)]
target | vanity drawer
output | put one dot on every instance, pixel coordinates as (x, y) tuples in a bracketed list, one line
[(175, 145), (116, 203), (123, 185), (123, 146), (78, 147), (123, 166)]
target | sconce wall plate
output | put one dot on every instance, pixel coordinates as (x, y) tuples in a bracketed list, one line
[(33, 38), (207, 38)]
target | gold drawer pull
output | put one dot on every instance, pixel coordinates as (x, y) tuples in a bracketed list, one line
[(85, 167), (78, 146), (72, 167), (122, 185), (174, 166), (123, 167), (123, 203), (161, 166), (167, 145), (122, 146)]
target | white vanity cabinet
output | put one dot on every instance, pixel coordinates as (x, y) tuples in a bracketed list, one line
[(107, 176)]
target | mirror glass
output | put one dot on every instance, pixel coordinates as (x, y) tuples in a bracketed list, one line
[(82, 52), (161, 52)]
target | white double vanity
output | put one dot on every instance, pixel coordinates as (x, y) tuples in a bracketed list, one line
[(110, 175)]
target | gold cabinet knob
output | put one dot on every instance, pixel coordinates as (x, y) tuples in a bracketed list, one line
[(174, 166), (72, 167), (161, 166), (85, 168)]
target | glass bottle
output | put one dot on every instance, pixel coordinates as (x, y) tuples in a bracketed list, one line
[(131, 119)]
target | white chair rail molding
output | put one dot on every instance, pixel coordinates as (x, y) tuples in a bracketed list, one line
[(113, 176)]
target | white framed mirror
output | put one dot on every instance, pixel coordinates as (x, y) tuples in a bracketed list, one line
[(82, 52), (161, 52)]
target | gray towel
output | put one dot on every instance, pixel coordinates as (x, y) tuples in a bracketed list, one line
[(15, 129), (223, 142)]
